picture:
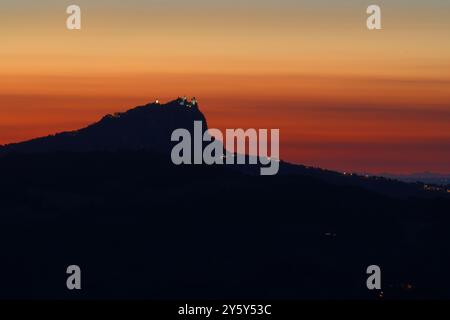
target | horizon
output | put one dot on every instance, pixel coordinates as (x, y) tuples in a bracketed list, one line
[(345, 98)]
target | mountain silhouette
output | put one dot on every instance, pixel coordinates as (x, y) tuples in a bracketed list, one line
[(147, 127), (108, 198)]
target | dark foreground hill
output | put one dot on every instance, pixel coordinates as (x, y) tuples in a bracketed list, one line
[(140, 227)]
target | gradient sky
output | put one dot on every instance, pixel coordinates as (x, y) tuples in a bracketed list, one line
[(343, 97)]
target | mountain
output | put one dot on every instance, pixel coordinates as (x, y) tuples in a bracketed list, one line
[(423, 177), (108, 198), (147, 127)]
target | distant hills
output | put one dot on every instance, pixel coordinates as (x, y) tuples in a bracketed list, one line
[(424, 177)]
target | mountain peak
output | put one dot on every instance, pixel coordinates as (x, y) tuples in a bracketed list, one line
[(178, 102)]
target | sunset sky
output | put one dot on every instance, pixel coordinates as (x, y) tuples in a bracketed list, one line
[(343, 97)]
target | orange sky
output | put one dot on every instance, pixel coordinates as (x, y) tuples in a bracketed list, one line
[(344, 97)]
